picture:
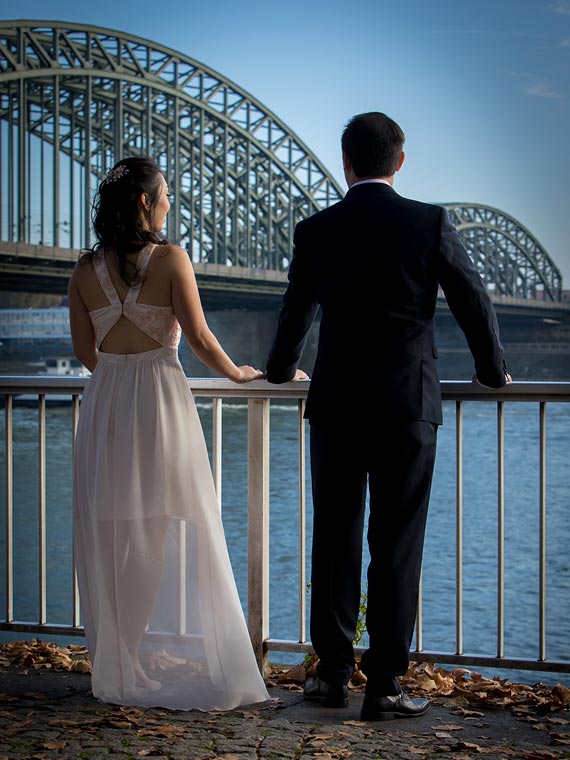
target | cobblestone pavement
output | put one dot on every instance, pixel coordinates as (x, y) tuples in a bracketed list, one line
[(45, 715)]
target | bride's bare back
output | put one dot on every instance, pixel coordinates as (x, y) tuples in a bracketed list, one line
[(169, 282), (125, 337)]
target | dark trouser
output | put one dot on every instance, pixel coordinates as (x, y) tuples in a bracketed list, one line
[(397, 461)]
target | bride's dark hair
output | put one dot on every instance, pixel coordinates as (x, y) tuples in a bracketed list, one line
[(116, 218)]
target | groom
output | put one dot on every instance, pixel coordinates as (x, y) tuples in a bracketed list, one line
[(374, 262)]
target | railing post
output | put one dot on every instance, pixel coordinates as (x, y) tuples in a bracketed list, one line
[(500, 529), (302, 523), (258, 529), (9, 513), (42, 508), (217, 448), (419, 618), (458, 528), (542, 535), (75, 591)]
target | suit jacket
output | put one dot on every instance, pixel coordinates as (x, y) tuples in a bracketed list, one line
[(373, 262)]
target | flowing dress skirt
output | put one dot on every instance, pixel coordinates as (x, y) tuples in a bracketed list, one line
[(162, 616)]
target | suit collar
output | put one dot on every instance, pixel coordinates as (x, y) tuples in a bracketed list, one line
[(370, 188)]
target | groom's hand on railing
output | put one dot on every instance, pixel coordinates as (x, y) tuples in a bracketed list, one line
[(300, 375), (508, 379)]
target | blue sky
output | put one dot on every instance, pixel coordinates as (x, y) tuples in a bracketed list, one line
[(480, 87)]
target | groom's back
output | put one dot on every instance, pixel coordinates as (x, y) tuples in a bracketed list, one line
[(373, 260), (376, 250)]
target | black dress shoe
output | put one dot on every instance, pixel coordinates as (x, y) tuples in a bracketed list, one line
[(390, 707), (328, 694)]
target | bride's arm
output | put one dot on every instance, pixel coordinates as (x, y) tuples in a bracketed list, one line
[(82, 332), (188, 309)]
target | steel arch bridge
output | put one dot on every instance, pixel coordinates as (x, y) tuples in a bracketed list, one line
[(508, 257), (74, 99)]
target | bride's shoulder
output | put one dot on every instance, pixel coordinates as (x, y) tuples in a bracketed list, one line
[(175, 256), (83, 266)]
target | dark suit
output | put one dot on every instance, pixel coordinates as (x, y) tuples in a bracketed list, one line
[(373, 262)]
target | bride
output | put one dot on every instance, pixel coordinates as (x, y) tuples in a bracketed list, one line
[(162, 616)]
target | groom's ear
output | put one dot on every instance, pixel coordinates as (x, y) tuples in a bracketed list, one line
[(348, 170), (401, 161)]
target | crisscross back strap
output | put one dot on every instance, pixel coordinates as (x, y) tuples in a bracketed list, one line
[(142, 266), (104, 278)]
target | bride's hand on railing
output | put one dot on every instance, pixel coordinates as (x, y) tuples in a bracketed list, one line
[(247, 373)]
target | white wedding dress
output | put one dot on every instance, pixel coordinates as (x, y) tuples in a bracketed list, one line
[(162, 616)]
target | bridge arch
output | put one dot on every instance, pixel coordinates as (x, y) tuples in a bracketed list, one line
[(508, 257), (74, 99)]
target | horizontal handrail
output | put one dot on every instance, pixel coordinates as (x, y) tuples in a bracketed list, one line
[(452, 390)]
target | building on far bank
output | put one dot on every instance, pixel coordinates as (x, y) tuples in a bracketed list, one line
[(33, 324)]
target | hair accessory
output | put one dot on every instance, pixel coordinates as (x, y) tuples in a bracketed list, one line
[(114, 174)]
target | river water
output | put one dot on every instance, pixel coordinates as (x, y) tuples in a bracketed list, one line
[(479, 529)]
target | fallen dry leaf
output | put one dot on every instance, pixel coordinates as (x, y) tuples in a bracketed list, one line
[(39, 695), (39, 654), (168, 731), (55, 745), (450, 727), (246, 714), (562, 693), (471, 746), (8, 698), (295, 675), (135, 712), (358, 678), (63, 722), (560, 741), (16, 728)]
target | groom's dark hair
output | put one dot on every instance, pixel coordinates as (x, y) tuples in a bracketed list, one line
[(373, 144)]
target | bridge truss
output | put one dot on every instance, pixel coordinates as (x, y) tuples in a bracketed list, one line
[(74, 99), (507, 256)]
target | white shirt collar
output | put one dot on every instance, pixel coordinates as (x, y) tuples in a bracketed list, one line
[(370, 181)]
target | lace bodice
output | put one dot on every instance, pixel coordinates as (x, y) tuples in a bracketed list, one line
[(159, 322)]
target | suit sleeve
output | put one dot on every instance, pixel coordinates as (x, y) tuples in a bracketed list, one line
[(297, 315), (471, 305)]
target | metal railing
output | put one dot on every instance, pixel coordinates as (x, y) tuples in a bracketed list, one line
[(259, 395)]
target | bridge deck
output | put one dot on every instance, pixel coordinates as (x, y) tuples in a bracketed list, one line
[(46, 269)]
